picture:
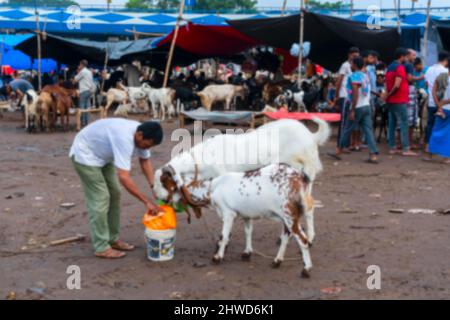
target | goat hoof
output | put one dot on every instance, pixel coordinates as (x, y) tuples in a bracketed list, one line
[(276, 264), (216, 260), (246, 256), (305, 274)]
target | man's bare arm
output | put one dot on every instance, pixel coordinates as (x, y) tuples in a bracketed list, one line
[(130, 186), (147, 170)]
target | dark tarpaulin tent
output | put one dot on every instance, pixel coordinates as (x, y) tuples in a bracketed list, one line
[(71, 51), (443, 29), (330, 37), (152, 51)]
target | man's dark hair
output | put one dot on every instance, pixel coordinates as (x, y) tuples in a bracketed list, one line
[(151, 130), (400, 52), (353, 50), (417, 61), (84, 62), (443, 55), (358, 62), (368, 53)]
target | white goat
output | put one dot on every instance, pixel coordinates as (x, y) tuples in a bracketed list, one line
[(136, 96), (5, 106), (277, 191), (30, 106), (297, 97), (163, 98), (282, 141), (220, 92)]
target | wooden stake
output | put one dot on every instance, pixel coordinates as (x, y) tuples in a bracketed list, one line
[(38, 34), (300, 54), (283, 9), (140, 33), (78, 237), (105, 65), (172, 46), (351, 9), (425, 35)]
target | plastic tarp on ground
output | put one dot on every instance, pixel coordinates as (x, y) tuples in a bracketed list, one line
[(237, 117), (330, 37), (18, 60)]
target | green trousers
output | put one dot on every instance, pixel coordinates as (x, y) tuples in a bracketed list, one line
[(102, 193)]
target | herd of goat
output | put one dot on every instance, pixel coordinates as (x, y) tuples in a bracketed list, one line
[(42, 109)]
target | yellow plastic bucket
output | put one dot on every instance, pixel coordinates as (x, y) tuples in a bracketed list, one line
[(160, 234)]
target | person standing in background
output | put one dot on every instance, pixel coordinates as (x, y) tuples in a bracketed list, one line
[(412, 105), (397, 98), (86, 85), (131, 75), (358, 89), (430, 77), (342, 101), (421, 90), (440, 135)]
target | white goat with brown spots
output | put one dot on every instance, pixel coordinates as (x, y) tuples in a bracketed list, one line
[(277, 191)]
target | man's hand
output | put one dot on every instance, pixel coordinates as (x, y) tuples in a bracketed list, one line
[(351, 116), (152, 209)]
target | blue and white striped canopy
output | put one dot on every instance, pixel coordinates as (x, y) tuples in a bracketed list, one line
[(119, 22)]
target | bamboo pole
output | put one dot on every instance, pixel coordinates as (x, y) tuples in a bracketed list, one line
[(172, 46), (283, 8), (300, 54), (425, 35), (397, 5), (39, 54), (351, 9)]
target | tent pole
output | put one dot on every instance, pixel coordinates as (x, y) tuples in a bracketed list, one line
[(283, 8), (105, 65), (300, 54), (38, 34), (425, 35), (172, 46), (351, 9)]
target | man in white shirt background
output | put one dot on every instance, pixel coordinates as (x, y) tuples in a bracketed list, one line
[(430, 77), (98, 151), (342, 100), (86, 85)]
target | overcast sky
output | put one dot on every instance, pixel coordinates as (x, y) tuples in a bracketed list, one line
[(359, 4)]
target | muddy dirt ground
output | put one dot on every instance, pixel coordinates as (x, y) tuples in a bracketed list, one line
[(354, 230)]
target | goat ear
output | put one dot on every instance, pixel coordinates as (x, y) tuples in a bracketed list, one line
[(169, 170), (198, 212)]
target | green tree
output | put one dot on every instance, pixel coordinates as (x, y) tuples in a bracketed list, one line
[(167, 4), (226, 4), (49, 3), (314, 4)]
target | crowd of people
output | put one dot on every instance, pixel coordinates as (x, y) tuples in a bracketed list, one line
[(407, 94), (406, 90)]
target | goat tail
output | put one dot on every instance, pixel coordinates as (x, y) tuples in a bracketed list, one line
[(323, 134)]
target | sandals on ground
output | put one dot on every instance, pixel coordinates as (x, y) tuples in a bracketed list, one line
[(110, 254)]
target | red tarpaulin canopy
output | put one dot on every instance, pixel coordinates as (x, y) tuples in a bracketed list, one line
[(211, 40)]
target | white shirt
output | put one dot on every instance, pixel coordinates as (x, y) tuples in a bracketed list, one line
[(430, 77), (346, 71), (107, 141), (85, 80), (362, 79), (447, 96)]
